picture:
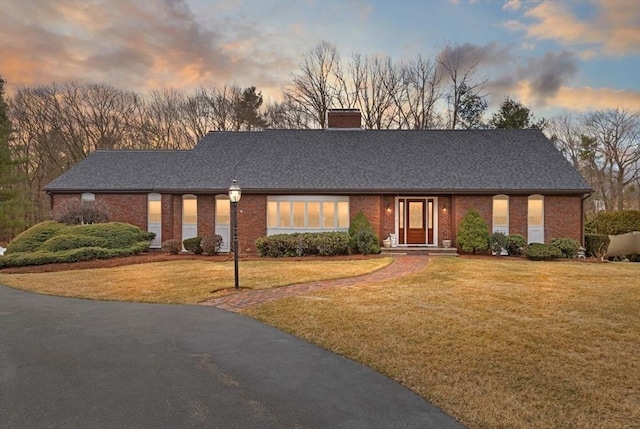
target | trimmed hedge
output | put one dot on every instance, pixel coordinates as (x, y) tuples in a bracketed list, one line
[(33, 238), (614, 223), (516, 244), (193, 245), (42, 257), (568, 246), (53, 242), (596, 244), (304, 244), (72, 241), (541, 252)]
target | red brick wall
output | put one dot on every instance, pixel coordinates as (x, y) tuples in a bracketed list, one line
[(518, 207), (343, 119), (388, 219), (252, 221), (562, 214), (463, 203), (444, 219), (129, 208), (563, 217), (206, 212), (373, 208)]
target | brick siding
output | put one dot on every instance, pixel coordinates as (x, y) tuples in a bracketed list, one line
[(563, 214)]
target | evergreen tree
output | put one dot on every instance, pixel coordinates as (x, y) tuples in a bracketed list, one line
[(473, 233), (513, 114), (247, 112), (12, 202)]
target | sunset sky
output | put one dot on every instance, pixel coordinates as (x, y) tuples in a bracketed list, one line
[(551, 55)]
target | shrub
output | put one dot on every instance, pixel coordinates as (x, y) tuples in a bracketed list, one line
[(42, 257), (367, 242), (34, 237), (53, 242), (77, 212), (116, 234), (193, 245), (473, 233), (633, 258), (361, 223), (498, 242), (541, 252), (614, 223), (321, 243), (596, 244), (173, 246), (568, 246), (72, 241), (211, 244), (516, 244)]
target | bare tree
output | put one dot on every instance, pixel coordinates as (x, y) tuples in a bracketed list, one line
[(283, 115), (459, 66), (565, 131), (418, 91), (314, 89), (374, 86), (616, 134)]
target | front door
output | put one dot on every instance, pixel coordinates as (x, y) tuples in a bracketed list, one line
[(416, 221)]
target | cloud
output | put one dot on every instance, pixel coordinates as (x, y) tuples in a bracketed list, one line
[(512, 5), (614, 28), (467, 56), (131, 44), (580, 99), (547, 74)]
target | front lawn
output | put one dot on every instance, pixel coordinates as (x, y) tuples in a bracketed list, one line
[(185, 282), (495, 343)]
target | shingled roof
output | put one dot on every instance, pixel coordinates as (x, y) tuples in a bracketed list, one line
[(337, 161)]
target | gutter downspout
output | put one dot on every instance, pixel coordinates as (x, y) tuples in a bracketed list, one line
[(584, 198)]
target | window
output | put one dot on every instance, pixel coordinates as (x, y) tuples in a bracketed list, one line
[(501, 214), (293, 213), (536, 210), (223, 210), (155, 208), (88, 196), (189, 209)]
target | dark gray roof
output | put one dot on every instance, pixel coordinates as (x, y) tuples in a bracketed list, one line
[(337, 161)]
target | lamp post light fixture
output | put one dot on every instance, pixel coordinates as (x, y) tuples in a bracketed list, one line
[(234, 195)]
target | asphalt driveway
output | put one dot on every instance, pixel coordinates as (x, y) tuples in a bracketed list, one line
[(70, 363)]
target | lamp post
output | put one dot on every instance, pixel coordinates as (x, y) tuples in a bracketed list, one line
[(234, 196)]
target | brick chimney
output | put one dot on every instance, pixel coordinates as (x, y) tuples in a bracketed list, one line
[(344, 118)]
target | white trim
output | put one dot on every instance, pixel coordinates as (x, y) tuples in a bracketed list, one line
[(223, 229), (155, 227), (436, 217), (535, 233), (189, 230), (504, 228)]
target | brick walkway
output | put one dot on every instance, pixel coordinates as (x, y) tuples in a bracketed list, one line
[(401, 266)]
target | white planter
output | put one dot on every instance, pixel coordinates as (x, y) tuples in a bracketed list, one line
[(446, 243)]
